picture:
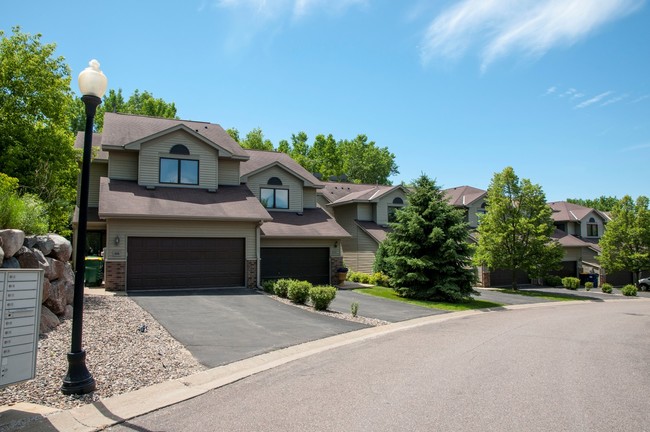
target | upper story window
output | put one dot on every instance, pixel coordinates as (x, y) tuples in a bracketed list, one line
[(179, 171), (398, 201), (274, 198), (592, 228)]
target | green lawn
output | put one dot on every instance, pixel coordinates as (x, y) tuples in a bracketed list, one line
[(388, 293), (545, 295)]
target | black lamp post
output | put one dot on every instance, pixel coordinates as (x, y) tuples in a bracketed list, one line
[(78, 380)]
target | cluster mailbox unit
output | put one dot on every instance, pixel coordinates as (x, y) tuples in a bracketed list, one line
[(20, 309)]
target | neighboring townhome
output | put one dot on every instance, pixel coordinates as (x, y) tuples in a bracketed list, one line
[(364, 211), (172, 206), (469, 199)]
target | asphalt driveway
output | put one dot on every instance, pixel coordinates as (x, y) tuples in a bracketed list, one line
[(225, 325)]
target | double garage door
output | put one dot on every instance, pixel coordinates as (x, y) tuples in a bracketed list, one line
[(178, 263), (310, 264)]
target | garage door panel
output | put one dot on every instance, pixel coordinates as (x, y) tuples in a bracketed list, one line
[(310, 264), (176, 263)]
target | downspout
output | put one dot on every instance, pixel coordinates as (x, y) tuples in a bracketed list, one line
[(259, 258)]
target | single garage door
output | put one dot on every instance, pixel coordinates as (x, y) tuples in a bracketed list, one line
[(310, 264), (177, 263), (503, 278)]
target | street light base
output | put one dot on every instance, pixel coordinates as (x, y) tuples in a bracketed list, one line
[(78, 380)]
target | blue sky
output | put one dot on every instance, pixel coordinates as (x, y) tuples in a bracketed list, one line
[(557, 89)]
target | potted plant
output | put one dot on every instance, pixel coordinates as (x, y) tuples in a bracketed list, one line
[(341, 274)]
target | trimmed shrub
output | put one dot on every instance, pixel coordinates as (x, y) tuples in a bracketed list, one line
[(629, 290), (281, 287), (553, 281), (607, 288), (298, 291), (322, 296), (378, 278), (354, 309), (571, 283), (268, 286), (589, 286)]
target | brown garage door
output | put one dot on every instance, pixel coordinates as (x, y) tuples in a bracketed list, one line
[(177, 263), (310, 264), (503, 278)]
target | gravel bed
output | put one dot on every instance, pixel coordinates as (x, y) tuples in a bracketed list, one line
[(120, 356)]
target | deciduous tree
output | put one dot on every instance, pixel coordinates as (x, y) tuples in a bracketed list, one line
[(515, 232), (602, 203), (626, 241)]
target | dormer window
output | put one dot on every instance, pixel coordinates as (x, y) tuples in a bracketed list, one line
[(398, 201), (274, 198), (393, 207), (179, 170), (592, 228), (275, 181)]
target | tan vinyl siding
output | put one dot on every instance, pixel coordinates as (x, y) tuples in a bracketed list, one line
[(229, 172), (289, 181), (123, 228), (309, 197), (296, 243), (364, 212), (362, 257), (97, 170), (382, 206), (152, 151), (123, 165)]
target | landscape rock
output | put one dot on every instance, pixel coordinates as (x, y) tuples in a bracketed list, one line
[(10, 263), (2, 254), (62, 249), (12, 241), (46, 290), (68, 273), (57, 300), (57, 268), (33, 259), (68, 292), (45, 244), (49, 321), (68, 312)]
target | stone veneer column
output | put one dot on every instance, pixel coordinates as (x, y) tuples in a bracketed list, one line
[(115, 275), (335, 264), (251, 273)]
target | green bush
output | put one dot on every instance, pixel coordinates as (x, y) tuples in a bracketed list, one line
[(322, 296), (552, 281), (281, 287), (268, 285), (607, 288), (378, 278), (589, 286), (571, 283), (354, 309), (298, 291), (629, 290), (27, 213)]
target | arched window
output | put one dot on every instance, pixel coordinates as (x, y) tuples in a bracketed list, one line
[(592, 220), (274, 181), (179, 149), (398, 201)]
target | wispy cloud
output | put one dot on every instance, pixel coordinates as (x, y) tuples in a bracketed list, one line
[(550, 90), (614, 100), (640, 98), (593, 100), (637, 147), (502, 27), (297, 8)]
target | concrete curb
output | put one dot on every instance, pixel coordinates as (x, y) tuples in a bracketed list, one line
[(118, 409)]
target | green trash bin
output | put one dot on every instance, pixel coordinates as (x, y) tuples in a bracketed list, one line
[(94, 272)]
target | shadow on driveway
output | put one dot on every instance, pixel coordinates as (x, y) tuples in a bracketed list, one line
[(221, 326)]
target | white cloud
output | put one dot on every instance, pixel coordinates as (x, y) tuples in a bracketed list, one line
[(550, 90), (593, 100), (502, 27), (640, 98), (298, 8), (614, 100)]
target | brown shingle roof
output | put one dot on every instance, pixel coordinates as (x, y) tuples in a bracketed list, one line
[(565, 211), (312, 223), (377, 232), (123, 129), (126, 199), (462, 196), (568, 240), (97, 142), (344, 193), (260, 159)]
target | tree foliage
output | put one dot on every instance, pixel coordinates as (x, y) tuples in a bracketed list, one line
[(602, 203), (138, 103), (25, 212), (626, 241), (255, 140), (426, 254), (515, 232), (36, 106)]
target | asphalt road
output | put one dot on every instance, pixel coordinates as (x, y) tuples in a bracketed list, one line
[(562, 367)]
